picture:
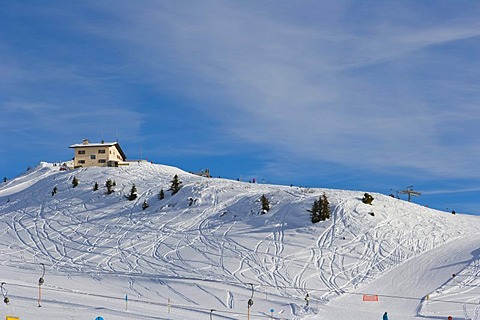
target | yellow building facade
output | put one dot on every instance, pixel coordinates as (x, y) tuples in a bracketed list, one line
[(104, 154)]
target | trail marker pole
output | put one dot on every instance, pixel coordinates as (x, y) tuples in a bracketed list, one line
[(41, 281), (126, 302), (39, 295), (168, 305), (4, 293), (271, 313), (211, 311), (250, 303)]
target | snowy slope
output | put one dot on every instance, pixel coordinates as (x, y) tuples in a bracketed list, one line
[(208, 246)]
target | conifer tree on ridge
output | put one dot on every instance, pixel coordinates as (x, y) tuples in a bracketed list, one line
[(176, 185)]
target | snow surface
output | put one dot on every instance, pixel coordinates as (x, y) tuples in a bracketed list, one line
[(199, 253)]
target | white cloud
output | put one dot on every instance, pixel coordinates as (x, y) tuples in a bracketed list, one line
[(36, 119), (451, 191), (309, 82), (290, 84)]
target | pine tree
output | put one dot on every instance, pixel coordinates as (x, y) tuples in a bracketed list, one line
[(161, 195), (324, 208), (320, 209), (4, 179), (75, 182), (145, 205), (315, 212), (133, 193), (109, 184), (95, 186), (265, 204), (176, 185)]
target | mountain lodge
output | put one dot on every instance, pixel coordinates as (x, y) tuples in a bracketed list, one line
[(104, 154)]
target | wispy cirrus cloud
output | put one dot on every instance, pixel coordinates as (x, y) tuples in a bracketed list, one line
[(380, 86), (305, 87)]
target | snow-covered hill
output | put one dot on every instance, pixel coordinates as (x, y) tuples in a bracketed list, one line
[(206, 250)]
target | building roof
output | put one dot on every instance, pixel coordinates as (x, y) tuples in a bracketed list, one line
[(104, 144), (96, 145)]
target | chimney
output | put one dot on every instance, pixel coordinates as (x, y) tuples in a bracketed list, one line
[(85, 141)]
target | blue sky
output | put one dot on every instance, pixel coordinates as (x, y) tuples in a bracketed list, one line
[(363, 95)]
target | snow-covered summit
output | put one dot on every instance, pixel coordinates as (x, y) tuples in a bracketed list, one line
[(207, 246)]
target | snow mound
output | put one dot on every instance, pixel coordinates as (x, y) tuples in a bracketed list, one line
[(207, 246)]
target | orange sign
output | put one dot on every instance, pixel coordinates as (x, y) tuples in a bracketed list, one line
[(370, 297)]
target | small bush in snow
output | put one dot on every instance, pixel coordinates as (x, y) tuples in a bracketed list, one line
[(109, 184), (54, 191), (133, 193), (367, 198), (145, 205), (95, 186), (265, 204), (75, 182), (161, 195)]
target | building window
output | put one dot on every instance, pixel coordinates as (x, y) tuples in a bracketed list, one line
[(102, 161), (101, 151), (81, 161), (93, 157), (81, 151)]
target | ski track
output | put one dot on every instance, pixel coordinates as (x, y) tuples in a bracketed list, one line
[(79, 230)]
